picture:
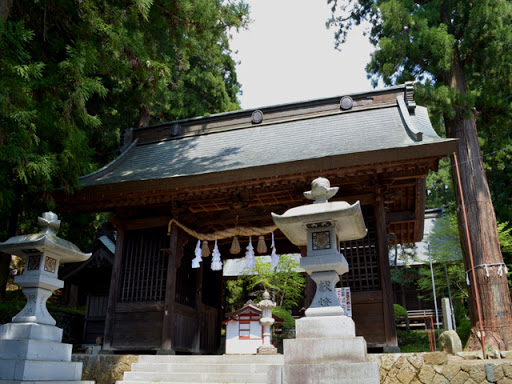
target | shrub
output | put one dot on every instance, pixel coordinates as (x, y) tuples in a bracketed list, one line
[(285, 316), (463, 330), (413, 341), (399, 312)]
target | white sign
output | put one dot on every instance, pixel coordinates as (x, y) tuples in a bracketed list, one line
[(345, 300)]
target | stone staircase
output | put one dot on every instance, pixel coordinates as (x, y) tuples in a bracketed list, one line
[(211, 369)]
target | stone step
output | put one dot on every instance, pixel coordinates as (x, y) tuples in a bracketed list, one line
[(188, 382), (194, 377), (33, 331), (46, 382), (206, 368), (37, 370), (35, 350), (213, 359)]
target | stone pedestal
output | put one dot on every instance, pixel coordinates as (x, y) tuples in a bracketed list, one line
[(31, 352), (326, 350)]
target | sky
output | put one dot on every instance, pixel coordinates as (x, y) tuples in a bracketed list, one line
[(287, 54)]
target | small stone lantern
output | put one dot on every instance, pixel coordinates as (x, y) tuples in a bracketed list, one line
[(267, 305), (30, 346)]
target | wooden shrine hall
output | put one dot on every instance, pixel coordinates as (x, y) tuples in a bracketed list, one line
[(228, 170)]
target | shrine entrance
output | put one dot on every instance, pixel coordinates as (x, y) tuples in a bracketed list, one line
[(216, 173)]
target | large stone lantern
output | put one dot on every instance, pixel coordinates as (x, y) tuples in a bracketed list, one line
[(325, 338), (30, 346), (321, 226)]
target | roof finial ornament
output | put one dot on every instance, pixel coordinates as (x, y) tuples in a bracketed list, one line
[(49, 223), (321, 190)]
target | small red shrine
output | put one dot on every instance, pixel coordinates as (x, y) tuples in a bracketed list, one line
[(244, 333)]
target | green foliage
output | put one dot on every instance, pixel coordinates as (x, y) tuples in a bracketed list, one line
[(285, 316), (421, 40), (284, 283), (399, 312), (404, 255), (439, 186), (464, 330), (447, 259), (234, 294), (74, 74), (413, 341)]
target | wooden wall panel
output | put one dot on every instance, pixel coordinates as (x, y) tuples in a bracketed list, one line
[(369, 318), (137, 330), (186, 323), (210, 329)]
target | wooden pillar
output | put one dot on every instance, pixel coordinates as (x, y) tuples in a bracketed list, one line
[(175, 252), (385, 275), (114, 290), (199, 305)]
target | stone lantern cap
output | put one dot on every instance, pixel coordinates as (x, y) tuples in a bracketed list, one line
[(347, 219), (46, 241)]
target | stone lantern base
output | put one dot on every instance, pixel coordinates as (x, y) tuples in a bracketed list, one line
[(326, 347), (33, 353), (267, 350)]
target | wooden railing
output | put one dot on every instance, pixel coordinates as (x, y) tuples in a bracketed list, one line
[(420, 317)]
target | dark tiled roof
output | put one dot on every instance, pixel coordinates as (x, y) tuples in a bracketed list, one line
[(378, 127)]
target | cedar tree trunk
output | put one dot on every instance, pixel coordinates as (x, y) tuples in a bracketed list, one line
[(493, 290)]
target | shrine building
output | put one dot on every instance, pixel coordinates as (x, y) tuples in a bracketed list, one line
[(209, 175)]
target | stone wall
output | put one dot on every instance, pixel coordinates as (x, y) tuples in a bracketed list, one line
[(105, 369), (440, 368)]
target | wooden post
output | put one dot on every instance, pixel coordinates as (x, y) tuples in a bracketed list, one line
[(170, 295), (199, 305), (114, 290), (385, 275)]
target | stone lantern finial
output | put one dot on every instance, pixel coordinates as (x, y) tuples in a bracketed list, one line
[(321, 190), (49, 223)]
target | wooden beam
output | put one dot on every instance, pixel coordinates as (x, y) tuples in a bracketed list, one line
[(385, 274), (170, 294), (420, 209), (400, 217), (150, 222), (114, 290)]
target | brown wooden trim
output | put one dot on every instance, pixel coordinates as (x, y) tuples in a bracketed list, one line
[(385, 275), (199, 302), (140, 306), (420, 208), (399, 217), (170, 295), (132, 224), (367, 297), (392, 165), (113, 292)]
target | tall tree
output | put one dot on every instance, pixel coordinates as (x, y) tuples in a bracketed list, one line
[(74, 74), (460, 52)]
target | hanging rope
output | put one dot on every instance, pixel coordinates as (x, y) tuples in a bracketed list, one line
[(502, 268), (225, 233), (204, 251)]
